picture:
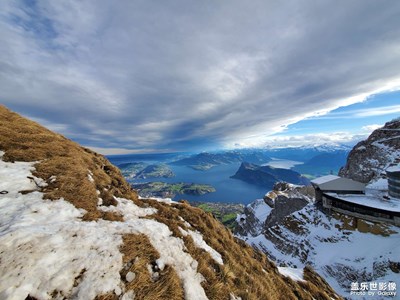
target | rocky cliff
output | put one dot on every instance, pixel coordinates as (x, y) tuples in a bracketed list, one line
[(369, 158), (294, 232), (72, 228)]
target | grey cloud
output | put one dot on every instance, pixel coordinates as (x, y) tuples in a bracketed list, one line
[(180, 75)]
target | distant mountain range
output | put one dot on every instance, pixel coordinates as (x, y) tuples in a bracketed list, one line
[(323, 164), (267, 176), (306, 153), (205, 160)]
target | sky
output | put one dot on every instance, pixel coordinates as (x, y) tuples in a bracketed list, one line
[(164, 76)]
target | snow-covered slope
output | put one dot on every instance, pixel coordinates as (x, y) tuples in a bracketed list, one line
[(72, 228), (76, 259), (344, 250)]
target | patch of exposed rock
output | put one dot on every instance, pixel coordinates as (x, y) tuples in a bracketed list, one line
[(284, 199)]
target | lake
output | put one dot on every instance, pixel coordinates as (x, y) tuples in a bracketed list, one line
[(228, 190)]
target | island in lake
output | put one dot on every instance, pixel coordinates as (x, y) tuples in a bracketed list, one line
[(170, 190), (140, 170)]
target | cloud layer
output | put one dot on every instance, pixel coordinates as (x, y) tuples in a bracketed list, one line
[(181, 75)]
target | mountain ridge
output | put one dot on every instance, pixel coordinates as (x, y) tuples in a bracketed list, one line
[(73, 228), (368, 160), (206, 160), (267, 176)]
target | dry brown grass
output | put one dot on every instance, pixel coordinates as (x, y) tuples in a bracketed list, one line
[(246, 272), (138, 255), (24, 140), (108, 296)]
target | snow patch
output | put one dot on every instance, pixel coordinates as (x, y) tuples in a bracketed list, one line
[(379, 184), (128, 209), (90, 176), (295, 274), (130, 295), (261, 209), (200, 243), (163, 200), (233, 297), (14, 177), (187, 224)]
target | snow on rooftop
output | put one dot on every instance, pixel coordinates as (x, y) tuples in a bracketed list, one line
[(394, 169), (295, 274), (370, 200), (45, 246), (324, 179), (379, 184)]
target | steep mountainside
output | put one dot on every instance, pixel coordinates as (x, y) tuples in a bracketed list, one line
[(369, 158), (267, 176), (72, 228), (342, 249)]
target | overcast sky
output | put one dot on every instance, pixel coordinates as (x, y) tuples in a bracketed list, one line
[(195, 75)]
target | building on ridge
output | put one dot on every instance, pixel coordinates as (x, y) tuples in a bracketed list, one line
[(353, 198)]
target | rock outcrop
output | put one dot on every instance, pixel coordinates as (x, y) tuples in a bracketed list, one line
[(72, 228), (369, 158), (267, 176), (283, 200)]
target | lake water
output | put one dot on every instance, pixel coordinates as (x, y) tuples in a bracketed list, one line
[(228, 190)]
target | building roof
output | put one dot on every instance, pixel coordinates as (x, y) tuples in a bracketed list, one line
[(336, 183), (370, 201), (324, 179)]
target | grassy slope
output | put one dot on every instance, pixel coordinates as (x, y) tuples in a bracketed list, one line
[(246, 272)]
